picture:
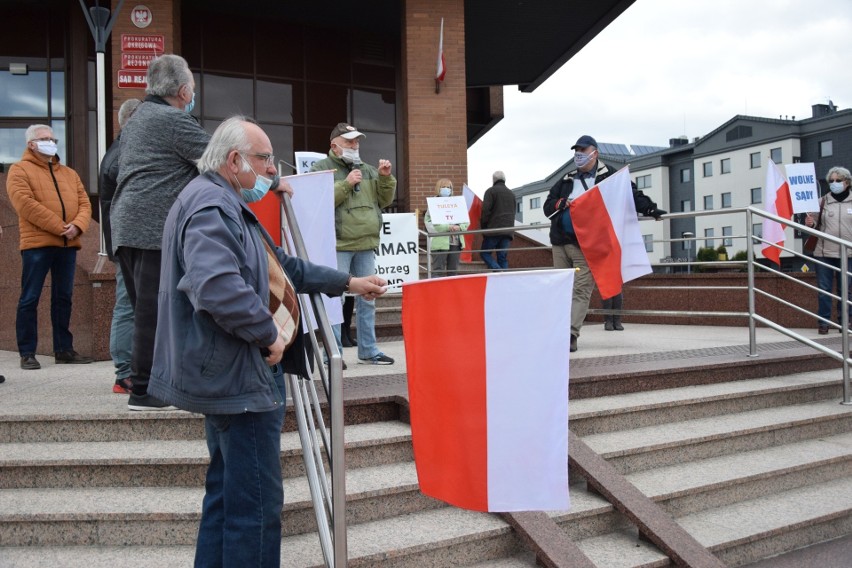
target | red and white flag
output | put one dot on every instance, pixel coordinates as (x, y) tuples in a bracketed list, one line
[(776, 196), (442, 70), (608, 232), (474, 211), (489, 399)]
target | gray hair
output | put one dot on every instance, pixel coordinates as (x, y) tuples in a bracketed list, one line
[(167, 74), (498, 176), (231, 135), (126, 110), (31, 132), (839, 172)]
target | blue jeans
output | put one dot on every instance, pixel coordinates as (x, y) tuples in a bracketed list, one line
[(827, 279), (241, 514), (61, 262), (360, 263), (121, 330), (501, 244)]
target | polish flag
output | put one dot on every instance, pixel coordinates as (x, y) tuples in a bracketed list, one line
[(489, 399), (474, 210), (608, 232), (442, 70), (776, 196)]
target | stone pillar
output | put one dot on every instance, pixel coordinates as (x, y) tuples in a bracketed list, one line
[(434, 129)]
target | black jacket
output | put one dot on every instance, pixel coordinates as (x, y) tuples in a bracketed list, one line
[(498, 209), (558, 197), (107, 182)]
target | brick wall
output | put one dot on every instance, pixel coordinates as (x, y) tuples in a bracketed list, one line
[(434, 124)]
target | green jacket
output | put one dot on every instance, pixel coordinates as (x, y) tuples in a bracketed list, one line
[(442, 243), (357, 214)]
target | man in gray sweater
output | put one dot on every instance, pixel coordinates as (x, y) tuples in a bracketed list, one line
[(159, 150)]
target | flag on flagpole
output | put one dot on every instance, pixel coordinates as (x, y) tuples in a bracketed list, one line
[(441, 71), (474, 211), (776, 196), (489, 401), (608, 233)]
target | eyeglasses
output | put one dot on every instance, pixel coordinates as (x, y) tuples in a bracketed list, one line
[(269, 159), (46, 139)]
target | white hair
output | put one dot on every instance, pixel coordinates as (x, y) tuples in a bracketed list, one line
[(498, 176), (840, 172), (126, 110), (231, 135), (167, 74), (31, 131)]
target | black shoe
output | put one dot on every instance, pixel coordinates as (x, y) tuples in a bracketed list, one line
[(2, 379), (347, 340), (617, 325), (573, 343), (30, 363), (71, 358), (608, 325), (147, 402)]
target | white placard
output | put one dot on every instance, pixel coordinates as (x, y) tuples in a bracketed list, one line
[(304, 160), (397, 256), (804, 188), (448, 210)]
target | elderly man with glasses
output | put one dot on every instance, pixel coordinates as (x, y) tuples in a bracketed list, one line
[(53, 212), (159, 151)]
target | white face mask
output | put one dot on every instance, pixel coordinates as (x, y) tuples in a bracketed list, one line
[(445, 192), (46, 148), (350, 155), (837, 187)]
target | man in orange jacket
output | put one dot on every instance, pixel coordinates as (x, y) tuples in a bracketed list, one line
[(53, 211)]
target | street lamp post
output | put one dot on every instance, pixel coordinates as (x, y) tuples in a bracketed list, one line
[(688, 246)]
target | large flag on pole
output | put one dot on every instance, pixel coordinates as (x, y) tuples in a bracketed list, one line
[(474, 211), (489, 400), (441, 70), (776, 196), (608, 232)]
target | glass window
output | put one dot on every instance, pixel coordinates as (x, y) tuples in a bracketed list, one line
[(643, 182), (755, 159), (374, 110), (223, 97), (649, 242), (726, 200), (775, 155), (826, 149), (282, 143), (757, 195), (12, 144), (327, 105), (535, 202), (708, 202), (23, 95), (728, 232), (709, 243), (757, 231), (726, 165), (686, 205), (519, 207), (377, 146), (708, 169), (685, 175)]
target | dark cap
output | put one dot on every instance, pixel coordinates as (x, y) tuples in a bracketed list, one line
[(346, 130), (584, 141)]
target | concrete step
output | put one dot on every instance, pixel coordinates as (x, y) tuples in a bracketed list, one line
[(743, 532), (175, 463), (638, 409), (649, 447)]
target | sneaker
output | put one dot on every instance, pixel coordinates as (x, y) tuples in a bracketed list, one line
[(71, 357), (122, 386), (823, 330), (573, 343), (147, 402), (30, 363), (380, 359)]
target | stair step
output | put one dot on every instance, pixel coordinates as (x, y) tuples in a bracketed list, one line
[(649, 408), (175, 462), (668, 444)]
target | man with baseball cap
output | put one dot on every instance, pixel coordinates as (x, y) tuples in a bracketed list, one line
[(589, 171), (361, 191)]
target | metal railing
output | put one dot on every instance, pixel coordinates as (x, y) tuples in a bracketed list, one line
[(749, 264), (320, 444)]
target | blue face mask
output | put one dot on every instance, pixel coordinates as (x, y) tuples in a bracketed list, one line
[(260, 189), (445, 192), (191, 105)]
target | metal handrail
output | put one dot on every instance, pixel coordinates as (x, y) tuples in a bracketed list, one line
[(317, 440)]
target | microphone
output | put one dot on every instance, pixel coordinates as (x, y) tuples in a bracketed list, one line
[(356, 165)]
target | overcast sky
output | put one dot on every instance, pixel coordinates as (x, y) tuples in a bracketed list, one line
[(667, 68)]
